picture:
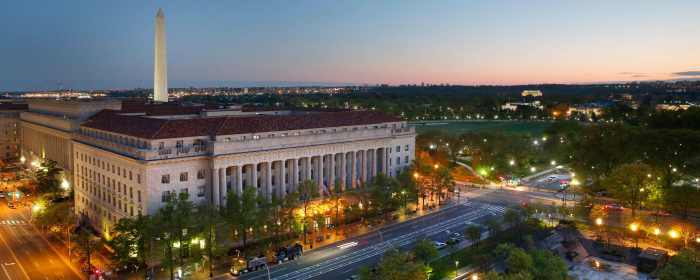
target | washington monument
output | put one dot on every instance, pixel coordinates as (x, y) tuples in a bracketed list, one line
[(160, 75)]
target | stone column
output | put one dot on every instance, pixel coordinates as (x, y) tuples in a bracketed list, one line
[(239, 180), (307, 168), (353, 170), (268, 180), (363, 166), (294, 174), (387, 161), (282, 180), (319, 175), (222, 186), (331, 172), (215, 187), (343, 171), (254, 177)]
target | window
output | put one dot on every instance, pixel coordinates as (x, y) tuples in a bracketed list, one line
[(406, 148), (256, 137), (398, 160), (131, 192), (179, 144), (185, 191), (165, 179), (183, 177), (161, 145), (165, 196), (130, 176), (398, 149), (138, 178), (138, 195), (200, 191), (405, 160), (200, 174)]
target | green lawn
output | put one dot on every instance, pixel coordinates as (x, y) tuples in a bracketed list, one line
[(460, 127)]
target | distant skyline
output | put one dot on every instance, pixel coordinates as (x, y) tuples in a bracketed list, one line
[(109, 44)]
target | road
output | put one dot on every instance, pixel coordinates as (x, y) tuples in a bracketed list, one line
[(333, 262), (24, 254)]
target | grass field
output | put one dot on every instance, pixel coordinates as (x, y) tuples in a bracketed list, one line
[(460, 127)]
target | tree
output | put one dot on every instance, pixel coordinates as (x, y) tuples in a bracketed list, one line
[(47, 177), (308, 190), (209, 218), (547, 266), (130, 241), (396, 265), (473, 233), (241, 213), (681, 198), (444, 182), (86, 246), (493, 225), (425, 251), (511, 217), (630, 184), (684, 265), (384, 192), (518, 261)]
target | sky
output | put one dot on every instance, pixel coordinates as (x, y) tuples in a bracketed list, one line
[(87, 44)]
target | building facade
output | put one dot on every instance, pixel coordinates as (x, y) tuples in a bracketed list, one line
[(10, 131), (47, 126), (128, 164)]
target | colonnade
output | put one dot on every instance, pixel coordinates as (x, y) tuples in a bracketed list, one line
[(334, 171)]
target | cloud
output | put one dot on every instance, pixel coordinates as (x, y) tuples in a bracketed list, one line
[(687, 73)]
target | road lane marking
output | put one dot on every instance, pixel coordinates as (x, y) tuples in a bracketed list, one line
[(380, 248), (21, 267)]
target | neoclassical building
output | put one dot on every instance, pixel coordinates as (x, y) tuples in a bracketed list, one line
[(127, 162)]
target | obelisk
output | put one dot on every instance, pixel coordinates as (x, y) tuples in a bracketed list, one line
[(160, 75)]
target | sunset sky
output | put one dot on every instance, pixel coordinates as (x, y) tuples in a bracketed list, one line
[(109, 44)]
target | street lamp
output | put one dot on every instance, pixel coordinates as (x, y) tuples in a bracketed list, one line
[(436, 166), (598, 222), (634, 227), (511, 162), (673, 234)]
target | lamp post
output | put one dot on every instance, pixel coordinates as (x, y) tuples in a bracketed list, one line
[(634, 227)]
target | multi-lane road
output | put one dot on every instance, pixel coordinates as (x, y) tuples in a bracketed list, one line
[(24, 254), (341, 260)]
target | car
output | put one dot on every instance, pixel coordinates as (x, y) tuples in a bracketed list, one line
[(2, 195), (661, 213), (613, 207), (439, 245), (11, 205), (454, 238)]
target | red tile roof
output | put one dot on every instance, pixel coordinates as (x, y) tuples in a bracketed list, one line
[(154, 128)]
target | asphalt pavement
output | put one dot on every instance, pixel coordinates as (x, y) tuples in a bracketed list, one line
[(343, 259), (24, 254)]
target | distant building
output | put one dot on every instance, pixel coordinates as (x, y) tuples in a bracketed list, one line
[(589, 109), (513, 106), (47, 127), (531, 93), (674, 106), (10, 131)]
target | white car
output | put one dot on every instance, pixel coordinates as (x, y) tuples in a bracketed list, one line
[(439, 245)]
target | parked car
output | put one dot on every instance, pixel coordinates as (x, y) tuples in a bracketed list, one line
[(11, 205), (289, 253), (661, 213), (613, 207), (439, 245)]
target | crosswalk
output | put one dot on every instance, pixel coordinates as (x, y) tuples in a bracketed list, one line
[(12, 222)]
